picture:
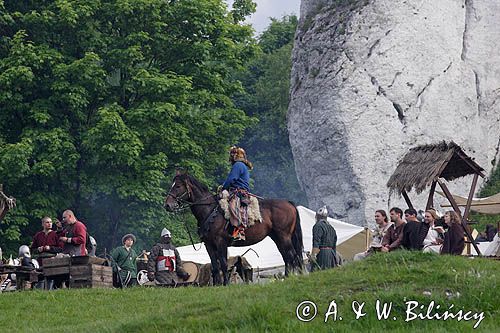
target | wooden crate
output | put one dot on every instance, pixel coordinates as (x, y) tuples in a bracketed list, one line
[(56, 266), (90, 276), (84, 260), (61, 265)]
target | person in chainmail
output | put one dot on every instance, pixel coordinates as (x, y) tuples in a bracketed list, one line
[(164, 262), (323, 254)]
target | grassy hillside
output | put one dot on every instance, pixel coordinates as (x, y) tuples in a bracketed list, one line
[(471, 284)]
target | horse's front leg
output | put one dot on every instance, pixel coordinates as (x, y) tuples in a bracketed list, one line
[(223, 263), (216, 273), (214, 260)]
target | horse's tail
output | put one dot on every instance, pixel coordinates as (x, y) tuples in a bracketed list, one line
[(297, 242)]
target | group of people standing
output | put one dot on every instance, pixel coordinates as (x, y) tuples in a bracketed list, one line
[(68, 239), (409, 233)]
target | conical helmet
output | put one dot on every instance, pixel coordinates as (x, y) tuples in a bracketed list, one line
[(165, 233)]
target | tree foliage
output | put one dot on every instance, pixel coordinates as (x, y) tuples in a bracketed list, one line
[(99, 100), (266, 97)]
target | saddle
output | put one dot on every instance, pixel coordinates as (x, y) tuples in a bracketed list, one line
[(240, 211)]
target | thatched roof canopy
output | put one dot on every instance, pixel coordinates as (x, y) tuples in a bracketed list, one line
[(424, 164)]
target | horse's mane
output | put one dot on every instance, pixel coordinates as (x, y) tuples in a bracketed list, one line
[(194, 181)]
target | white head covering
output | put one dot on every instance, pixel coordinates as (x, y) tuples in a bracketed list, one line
[(165, 232)]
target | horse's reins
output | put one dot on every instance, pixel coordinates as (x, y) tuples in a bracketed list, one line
[(184, 204)]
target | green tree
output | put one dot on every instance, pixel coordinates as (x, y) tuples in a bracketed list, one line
[(100, 100), (266, 97)]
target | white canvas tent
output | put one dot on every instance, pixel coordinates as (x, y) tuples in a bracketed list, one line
[(350, 240), (488, 248)]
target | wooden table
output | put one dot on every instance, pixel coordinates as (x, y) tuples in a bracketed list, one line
[(23, 275)]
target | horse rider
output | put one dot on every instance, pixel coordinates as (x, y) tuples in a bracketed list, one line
[(237, 184), (164, 262), (324, 242), (124, 262)]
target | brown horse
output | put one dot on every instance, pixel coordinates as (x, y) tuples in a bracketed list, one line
[(280, 221)]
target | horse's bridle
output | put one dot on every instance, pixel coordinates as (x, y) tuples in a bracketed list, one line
[(184, 204)]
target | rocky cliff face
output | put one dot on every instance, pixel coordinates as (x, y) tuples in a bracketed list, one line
[(371, 79)]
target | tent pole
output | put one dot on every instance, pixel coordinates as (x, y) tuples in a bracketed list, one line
[(430, 201), (457, 210), (407, 199)]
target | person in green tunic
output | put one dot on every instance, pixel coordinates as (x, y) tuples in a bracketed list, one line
[(324, 242), (124, 264)]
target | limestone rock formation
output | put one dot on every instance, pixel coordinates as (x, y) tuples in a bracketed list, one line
[(371, 79)]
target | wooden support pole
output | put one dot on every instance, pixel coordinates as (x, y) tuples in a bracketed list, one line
[(448, 195), (465, 218), (469, 199), (407, 199), (457, 210), (430, 201)]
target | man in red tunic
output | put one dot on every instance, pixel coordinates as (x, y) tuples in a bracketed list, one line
[(45, 242), (74, 235)]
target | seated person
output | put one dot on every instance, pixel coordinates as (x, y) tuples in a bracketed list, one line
[(124, 262), (434, 238), (453, 242), (164, 262), (394, 235), (381, 228), (414, 231)]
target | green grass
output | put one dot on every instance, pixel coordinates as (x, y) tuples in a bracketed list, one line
[(395, 277)]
